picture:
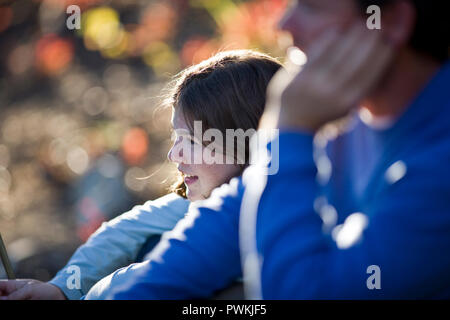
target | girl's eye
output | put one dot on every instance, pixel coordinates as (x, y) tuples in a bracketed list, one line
[(192, 141)]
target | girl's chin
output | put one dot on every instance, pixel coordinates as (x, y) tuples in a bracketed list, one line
[(194, 195)]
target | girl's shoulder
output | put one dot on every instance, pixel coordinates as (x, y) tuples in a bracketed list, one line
[(171, 202)]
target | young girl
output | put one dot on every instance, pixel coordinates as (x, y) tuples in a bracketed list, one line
[(224, 92)]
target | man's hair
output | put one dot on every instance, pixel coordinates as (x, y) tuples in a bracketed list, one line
[(226, 91), (431, 35)]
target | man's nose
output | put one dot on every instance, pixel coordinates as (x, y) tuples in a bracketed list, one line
[(285, 21)]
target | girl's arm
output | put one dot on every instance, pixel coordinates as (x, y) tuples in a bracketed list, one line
[(117, 243)]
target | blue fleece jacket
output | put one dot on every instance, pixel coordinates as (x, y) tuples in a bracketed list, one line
[(392, 240), (317, 229)]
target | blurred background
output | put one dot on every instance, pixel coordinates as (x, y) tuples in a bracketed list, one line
[(80, 109)]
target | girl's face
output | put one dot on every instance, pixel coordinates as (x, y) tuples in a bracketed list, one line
[(200, 178)]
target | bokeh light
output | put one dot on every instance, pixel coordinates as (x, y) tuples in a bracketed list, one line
[(135, 146), (6, 15), (101, 28), (53, 54)]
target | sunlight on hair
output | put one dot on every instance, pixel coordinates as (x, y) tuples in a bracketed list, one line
[(133, 179)]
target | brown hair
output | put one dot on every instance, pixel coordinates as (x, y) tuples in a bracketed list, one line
[(226, 91)]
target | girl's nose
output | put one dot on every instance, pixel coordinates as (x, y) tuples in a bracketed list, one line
[(175, 153)]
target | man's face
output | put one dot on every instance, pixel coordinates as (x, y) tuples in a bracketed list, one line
[(307, 19)]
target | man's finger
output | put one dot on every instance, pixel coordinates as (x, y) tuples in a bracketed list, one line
[(370, 75), (371, 64), (378, 65), (361, 54), (344, 48), (317, 53)]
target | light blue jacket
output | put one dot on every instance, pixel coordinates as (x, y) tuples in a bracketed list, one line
[(117, 243)]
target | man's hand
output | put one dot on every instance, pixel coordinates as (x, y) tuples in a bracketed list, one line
[(28, 289), (340, 71)]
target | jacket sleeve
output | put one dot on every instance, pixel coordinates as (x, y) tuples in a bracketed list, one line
[(397, 248), (198, 257), (117, 243)]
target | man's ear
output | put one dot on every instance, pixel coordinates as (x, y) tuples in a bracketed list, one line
[(398, 20)]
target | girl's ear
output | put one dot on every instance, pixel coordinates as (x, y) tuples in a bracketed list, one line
[(397, 22)]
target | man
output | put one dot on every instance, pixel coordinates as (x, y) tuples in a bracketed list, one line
[(398, 183), (383, 187)]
